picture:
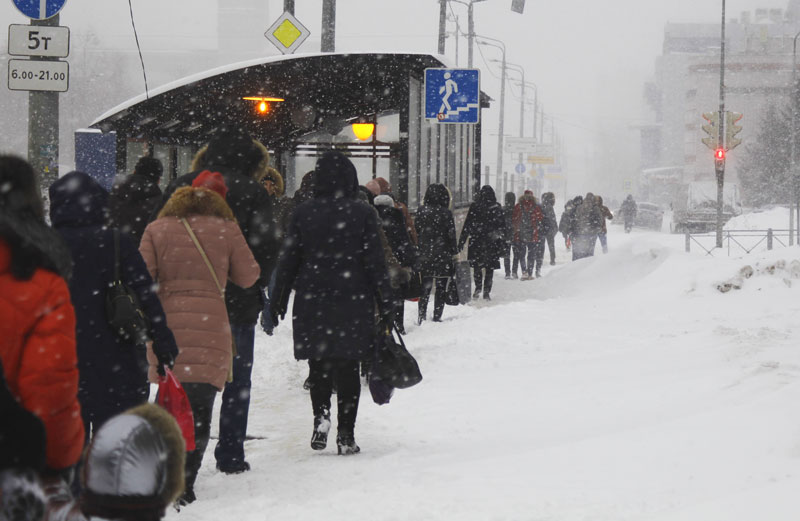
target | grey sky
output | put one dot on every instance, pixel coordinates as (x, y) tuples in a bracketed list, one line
[(589, 58)]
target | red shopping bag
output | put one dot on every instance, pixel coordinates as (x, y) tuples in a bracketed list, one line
[(172, 397)]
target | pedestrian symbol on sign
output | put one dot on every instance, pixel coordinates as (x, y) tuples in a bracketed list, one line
[(450, 86)]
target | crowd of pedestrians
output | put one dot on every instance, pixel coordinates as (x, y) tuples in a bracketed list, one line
[(220, 246)]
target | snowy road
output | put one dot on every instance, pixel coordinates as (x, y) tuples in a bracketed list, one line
[(619, 387)]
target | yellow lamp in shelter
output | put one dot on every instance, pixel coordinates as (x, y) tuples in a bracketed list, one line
[(363, 131), (263, 102)]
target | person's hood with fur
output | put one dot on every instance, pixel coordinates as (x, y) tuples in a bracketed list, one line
[(188, 201), (135, 462)]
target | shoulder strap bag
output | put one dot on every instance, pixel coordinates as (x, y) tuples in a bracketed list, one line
[(220, 287), (123, 309)]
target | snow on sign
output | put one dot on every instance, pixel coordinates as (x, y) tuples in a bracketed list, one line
[(452, 95), (287, 33), (39, 9)]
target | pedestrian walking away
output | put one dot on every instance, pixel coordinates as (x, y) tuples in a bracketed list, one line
[(550, 224), (629, 210), (529, 234), (436, 230), (333, 258), (485, 229), (510, 201), (588, 224), (607, 215), (134, 200), (193, 246)]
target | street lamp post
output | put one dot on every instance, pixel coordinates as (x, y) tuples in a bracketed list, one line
[(502, 47), (793, 171), (470, 26)]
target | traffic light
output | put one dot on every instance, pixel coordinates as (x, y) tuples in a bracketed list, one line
[(731, 129), (719, 154), (712, 129)]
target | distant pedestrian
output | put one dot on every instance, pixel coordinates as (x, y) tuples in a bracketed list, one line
[(567, 224), (332, 257), (629, 210), (436, 230), (588, 224), (550, 223), (510, 201), (485, 229), (607, 215), (385, 188), (528, 232), (134, 200)]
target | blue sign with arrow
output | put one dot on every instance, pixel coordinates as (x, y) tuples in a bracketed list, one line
[(452, 95), (39, 9)]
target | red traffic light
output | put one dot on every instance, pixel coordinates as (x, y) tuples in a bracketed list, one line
[(719, 154)]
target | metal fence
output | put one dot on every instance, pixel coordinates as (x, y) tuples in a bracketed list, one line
[(744, 241)]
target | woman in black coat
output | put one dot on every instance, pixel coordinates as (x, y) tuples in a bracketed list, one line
[(485, 226), (436, 231), (333, 258), (133, 200), (112, 371)]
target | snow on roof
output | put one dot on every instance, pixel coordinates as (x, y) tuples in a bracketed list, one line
[(241, 65)]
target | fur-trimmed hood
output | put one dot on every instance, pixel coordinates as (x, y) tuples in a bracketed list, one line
[(384, 200), (188, 201)]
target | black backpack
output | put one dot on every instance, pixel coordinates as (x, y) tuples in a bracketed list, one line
[(123, 310)]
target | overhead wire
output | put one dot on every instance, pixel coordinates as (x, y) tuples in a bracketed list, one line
[(139, 48)]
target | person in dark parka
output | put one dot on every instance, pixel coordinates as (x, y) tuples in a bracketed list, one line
[(133, 200), (508, 233), (436, 230), (234, 154), (588, 224), (395, 227), (333, 258), (484, 226), (528, 233), (112, 371), (550, 224)]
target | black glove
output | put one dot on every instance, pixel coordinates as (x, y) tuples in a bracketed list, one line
[(164, 359)]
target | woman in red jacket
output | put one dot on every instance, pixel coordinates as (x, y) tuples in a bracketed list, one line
[(37, 321)]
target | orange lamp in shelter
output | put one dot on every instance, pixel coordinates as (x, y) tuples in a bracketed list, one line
[(263, 102), (363, 131)]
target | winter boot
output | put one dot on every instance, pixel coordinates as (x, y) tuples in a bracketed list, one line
[(319, 438), (346, 444)]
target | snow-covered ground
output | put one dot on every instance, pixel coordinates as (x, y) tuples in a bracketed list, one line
[(620, 387)]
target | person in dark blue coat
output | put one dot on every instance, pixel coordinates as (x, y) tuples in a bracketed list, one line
[(436, 231), (112, 371), (485, 229), (333, 258)]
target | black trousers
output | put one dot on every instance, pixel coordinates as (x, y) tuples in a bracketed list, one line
[(201, 397), (551, 245), (538, 252), (438, 298), (507, 260), (322, 374), (519, 257), (483, 280)]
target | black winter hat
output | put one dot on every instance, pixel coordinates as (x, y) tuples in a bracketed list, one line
[(232, 150), (149, 167)]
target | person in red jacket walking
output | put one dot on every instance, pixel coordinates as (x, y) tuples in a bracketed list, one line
[(527, 221), (37, 320)]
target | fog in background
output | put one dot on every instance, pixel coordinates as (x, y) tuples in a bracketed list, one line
[(589, 59)]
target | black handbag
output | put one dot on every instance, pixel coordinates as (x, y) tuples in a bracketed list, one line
[(123, 310), (393, 365), (413, 288), (451, 297)]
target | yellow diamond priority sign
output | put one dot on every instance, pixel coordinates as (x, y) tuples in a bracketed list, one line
[(287, 33)]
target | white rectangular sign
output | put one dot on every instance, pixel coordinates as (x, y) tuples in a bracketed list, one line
[(542, 154), (38, 40), (519, 145), (38, 75)]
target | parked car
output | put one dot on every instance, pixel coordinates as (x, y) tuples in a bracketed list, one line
[(649, 215)]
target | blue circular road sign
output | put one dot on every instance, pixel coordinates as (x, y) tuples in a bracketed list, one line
[(520, 168), (39, 9)]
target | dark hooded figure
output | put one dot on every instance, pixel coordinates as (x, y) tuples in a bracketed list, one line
[(112, 371), (332, 257), (508, 233), (550, 223), (484, 228), (588, 224), (436, 231), (233, 153), (567, 224), (133, 200), (629, 210)]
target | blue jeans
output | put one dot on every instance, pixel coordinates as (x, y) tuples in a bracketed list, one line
[(236, 399)]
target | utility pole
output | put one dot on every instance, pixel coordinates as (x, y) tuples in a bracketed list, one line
[(43, 126), (502, 47), (470, 33), (288, 6), (328, 25), (442, 24), (719, 164), (793, 92)]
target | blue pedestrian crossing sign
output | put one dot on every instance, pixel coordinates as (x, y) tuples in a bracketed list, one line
[(452, 95), (39, 9)]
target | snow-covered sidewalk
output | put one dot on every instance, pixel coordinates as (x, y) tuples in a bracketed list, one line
[(624, 386)]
